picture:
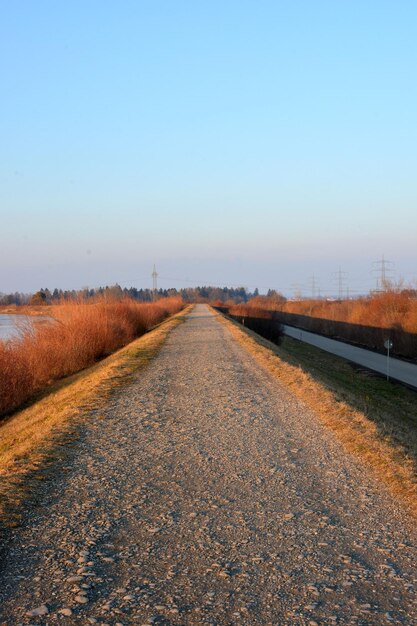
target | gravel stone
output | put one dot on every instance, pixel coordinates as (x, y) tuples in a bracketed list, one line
[(81, 599), (66, 612), (39, 611)]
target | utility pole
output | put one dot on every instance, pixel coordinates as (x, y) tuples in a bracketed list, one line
[(341, 278), (383, 270), (154, 283)]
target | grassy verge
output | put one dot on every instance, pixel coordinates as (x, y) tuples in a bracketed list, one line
[(32, 438), (374, 419)]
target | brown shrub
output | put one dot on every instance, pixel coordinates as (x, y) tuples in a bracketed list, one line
[(367, 321), (392, 308), (249, 310), (79, 335)]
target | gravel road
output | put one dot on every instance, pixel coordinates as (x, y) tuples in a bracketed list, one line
[(208, 495)]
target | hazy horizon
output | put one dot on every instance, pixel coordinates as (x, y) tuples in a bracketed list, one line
[(230, 144)]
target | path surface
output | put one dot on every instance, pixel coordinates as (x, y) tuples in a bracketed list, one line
[(399, 370), (209, 495)]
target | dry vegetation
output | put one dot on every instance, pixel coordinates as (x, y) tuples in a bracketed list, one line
[(27, 309), (79, 335), (366, 322), (42, 433), (394, 307), (374, 420)]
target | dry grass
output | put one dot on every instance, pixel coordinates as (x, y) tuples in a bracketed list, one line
[(34, 436), (374, 420), (26, 309), (395, 307), (366, 322), (80, 335)]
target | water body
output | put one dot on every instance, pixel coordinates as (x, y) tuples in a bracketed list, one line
[(12, 325)]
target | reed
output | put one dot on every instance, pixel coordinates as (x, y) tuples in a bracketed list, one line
[(78, 335)]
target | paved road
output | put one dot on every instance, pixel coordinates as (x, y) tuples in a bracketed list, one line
[(399, 370), (208, 495)]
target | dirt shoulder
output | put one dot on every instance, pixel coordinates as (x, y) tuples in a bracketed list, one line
[(375, 421)]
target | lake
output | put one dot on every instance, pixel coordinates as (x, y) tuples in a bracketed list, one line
[(10, 324)]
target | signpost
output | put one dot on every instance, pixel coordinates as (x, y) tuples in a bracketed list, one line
[(388, 346)]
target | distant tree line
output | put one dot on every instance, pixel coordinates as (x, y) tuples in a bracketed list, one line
[(236, 295), (15, 298)]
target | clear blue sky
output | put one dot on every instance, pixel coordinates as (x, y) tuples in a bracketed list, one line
[(229, 142)]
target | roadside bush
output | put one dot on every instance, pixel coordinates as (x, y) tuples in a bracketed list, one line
[(78, 335), (366, 322)]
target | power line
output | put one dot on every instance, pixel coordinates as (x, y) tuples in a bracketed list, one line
[(341, 278), (314, 287), (383, 270), (297, 291)]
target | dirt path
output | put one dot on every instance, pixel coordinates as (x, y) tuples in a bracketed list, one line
[(206, 494)]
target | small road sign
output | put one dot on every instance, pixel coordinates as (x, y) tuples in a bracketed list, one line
[(388, 345)]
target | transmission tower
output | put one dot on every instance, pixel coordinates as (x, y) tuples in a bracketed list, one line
[(383, 270), (341, 279), (314, 287), (154, 283), (297, 291)]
